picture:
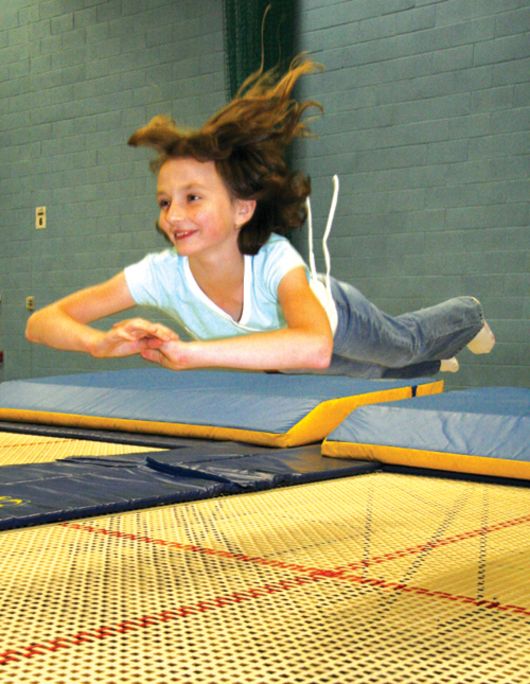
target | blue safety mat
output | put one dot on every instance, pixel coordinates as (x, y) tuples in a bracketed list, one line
[(260, 402), (79, 487), (483, 431)]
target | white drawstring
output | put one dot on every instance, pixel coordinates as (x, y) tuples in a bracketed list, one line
[(329, 223), (312, 265), (327, 258)]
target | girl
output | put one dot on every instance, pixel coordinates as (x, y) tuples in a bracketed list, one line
[(233, 281)]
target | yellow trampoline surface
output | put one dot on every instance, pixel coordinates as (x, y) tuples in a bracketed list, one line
[(381, 577)]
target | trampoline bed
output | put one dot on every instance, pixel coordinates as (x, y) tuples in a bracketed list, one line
[(375, 578)]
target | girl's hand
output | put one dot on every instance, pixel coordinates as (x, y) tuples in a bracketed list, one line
[(131, 336), (170, 354)]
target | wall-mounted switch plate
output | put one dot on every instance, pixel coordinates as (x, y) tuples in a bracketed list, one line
[(40, 218)]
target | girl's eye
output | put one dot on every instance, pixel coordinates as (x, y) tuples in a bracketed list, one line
[(163, 204), (193, 198)]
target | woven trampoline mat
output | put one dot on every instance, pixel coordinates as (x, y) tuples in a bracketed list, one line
[(376, 578), (16, 449)]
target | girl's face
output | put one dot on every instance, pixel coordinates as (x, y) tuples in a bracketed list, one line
[(197, 213)]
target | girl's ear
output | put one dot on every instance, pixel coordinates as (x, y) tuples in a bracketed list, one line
[(244, 211)]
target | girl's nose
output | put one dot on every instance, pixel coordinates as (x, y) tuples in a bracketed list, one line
[(175, 213)]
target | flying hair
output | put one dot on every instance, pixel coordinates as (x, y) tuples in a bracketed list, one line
[(247, 139)]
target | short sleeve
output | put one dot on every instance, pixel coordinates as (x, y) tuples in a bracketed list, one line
[(140, 279), (279, 257)]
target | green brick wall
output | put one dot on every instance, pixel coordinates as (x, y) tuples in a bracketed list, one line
[(76, 78), (426, 122)]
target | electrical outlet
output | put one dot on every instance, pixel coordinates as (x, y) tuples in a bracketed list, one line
[(30, 303), (40, 218)]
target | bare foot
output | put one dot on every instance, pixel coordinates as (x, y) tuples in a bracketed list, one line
[(483, 342), (449, 365)]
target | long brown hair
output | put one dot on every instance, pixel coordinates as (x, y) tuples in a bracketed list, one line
[(248, 139)]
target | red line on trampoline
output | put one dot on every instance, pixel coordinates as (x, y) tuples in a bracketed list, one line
[(429, 546), (20, 653), (283, 565), (90, 635), (341, 573), (128, 536)]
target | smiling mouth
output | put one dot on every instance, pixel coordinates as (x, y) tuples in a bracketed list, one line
[(183, 234)]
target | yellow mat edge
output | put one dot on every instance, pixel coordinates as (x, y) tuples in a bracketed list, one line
[(138, 426), (325, 417), (432, 460)]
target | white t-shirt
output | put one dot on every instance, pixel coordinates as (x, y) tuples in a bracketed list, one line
[(165, 280)]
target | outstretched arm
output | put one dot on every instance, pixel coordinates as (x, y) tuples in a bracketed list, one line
[(64, 324), (306, 342)]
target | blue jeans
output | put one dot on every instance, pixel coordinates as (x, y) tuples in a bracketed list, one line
[(371, 344)]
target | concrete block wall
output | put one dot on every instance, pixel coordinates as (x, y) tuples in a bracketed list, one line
[(427, 125), (77, 77), (426, 122)]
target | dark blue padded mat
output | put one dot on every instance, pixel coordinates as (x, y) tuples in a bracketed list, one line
[(78, 487)]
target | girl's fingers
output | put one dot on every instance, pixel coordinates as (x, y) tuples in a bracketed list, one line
[(139, 327), (164, 333), (150, 355), (155, 356), (122, 335)]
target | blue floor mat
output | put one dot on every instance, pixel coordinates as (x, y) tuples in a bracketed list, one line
[(78, 487)]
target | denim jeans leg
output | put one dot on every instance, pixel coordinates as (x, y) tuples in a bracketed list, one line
[(368, 335), (340, 365)]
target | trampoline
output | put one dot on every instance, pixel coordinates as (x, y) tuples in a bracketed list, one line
[(376, 577)]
